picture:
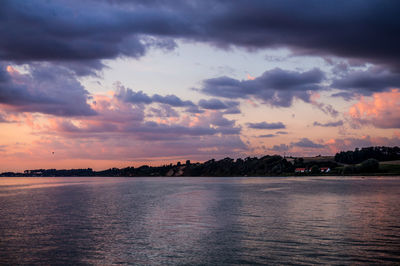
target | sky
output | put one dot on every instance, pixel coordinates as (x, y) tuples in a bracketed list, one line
[(108, 83)]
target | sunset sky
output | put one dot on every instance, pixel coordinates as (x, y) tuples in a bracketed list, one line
[(111, 83)]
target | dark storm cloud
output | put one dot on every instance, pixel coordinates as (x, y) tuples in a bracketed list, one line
[(94, 30), (46, 89), (329, 124), (265, 125), (375, 79), (306, 143), (276, 87)]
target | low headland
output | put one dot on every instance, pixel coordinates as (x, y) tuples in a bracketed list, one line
[(364, 161)]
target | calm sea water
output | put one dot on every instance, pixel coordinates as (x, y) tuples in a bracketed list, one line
[(307, 220)]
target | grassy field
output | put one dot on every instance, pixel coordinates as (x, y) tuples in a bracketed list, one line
[(392, 167), (385, 168), (391, 162), (319, 158)]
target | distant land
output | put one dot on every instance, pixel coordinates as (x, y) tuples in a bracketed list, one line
[(365, 161)]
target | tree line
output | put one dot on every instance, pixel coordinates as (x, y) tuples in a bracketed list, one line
[(359, 155), (364, 160)]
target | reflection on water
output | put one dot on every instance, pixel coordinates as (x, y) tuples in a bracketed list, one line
[(199, 220)]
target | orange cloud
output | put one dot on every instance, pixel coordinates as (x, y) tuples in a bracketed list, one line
[(11, 70), (382, 111), (249, 77)]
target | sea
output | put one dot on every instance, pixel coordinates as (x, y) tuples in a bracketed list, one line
[(200, 221)]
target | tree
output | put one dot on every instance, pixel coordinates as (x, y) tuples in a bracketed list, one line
[(369, 166), (315, 169)]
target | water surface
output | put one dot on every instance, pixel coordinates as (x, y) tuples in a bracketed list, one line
[(306, 220)]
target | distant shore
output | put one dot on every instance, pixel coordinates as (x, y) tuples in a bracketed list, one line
[(371, 161)]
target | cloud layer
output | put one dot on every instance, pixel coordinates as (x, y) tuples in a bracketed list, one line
[(382, 111), (46, 89), (265, 125), (275, 87), (93, 30)]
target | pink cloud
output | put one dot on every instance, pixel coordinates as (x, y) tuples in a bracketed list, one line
[(344, 144), (382, 110), (125, 131)]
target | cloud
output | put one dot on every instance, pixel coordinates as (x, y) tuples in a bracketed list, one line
[(3, 119), (347, 96), (121, 131), (124, 150), (265, 125), (171, 100), (267, 136), (95, 30), (306, 143), (280, 147), (374, 79), (216, 104), (230, 107), (381, 111), (116, 118), (80, 34), (163, 111), (281, 133), (45, 89), (326, 108), (276, 87), (329, 124), (345, 144), (194, 110), (140, 97), (131, 96)]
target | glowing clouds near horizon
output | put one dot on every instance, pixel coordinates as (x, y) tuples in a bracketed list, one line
[(382, 111)]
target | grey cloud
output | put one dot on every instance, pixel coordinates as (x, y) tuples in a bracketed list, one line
[(276, 87), (232, 110), (131, 96), (280, 147), (376, 79), (194, 110), (171, 100), (306, 143), (231, 107), (329, 124), (164, 111), (267, 136), (96, 30), (215, 104), (46, 89), (265, 125), (348, 96), (326, 108), (140, 97)]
